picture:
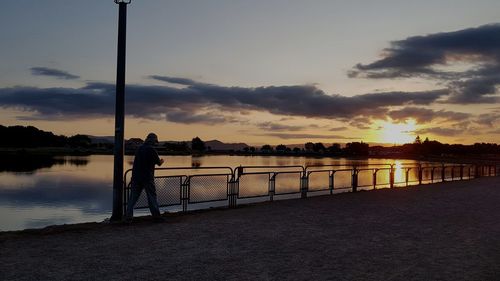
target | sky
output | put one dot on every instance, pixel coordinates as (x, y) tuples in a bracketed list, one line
[(274, 71)]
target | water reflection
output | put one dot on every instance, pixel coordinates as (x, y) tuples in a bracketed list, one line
[(399, 174), (90, 195), (31, 163)]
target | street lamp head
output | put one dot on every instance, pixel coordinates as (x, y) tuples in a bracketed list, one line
[(123, 1)]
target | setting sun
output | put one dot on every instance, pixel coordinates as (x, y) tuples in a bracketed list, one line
[(398, 133)]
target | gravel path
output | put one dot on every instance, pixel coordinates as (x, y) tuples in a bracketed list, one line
[(446, 231)]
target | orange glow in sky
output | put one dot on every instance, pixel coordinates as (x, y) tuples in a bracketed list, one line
[(397, 133)]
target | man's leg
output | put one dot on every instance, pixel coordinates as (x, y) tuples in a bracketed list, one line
[(152, 202), (134, 196)]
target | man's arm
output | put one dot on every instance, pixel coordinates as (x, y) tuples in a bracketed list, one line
[(158, 161)]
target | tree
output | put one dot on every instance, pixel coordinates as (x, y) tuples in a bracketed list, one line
[(281, 148), (417, 140), (266, 148), (309, 146), (176, 146), (334, 148), (79, 141), (357, 148), (319, 147), (197, 144)]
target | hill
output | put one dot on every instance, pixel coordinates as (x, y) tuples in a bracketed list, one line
[(218, 145)]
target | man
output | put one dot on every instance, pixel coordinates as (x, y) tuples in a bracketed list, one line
[(143, 171)]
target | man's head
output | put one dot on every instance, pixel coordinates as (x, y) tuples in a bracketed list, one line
[(151, 139)]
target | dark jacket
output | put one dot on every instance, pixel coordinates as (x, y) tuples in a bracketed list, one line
[(145, 160)]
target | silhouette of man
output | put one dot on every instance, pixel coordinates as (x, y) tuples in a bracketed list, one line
[(143, 170)]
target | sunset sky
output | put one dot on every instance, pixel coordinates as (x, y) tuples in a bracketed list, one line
[(273, 71)]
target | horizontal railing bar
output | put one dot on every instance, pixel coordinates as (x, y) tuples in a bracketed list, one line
[(207, 201), (253, 196)]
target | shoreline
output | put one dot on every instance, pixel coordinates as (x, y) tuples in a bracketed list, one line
[(57, 151)]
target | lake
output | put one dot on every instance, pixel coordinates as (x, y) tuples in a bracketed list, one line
[(41, 191)]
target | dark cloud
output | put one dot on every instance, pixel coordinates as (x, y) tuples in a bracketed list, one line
[(60, 74), (307, 136), (186, 117), (362, 123), (174, 80), (419, 56), (152, 102), (270, 126), (488, 119), (424, 115), (446, 132), (342, 128)]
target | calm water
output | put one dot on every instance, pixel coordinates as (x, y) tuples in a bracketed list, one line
[(37, 192)]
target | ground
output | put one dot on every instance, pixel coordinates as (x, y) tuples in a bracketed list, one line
[(445, 231)]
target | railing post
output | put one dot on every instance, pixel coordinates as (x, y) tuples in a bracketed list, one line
[(304, 185), (452, 173), (391, 177), (461, 172), (407, 172), (476, 171), (272, 181), (432, 174), (420, 174), (443, 167), (375, 178), (233, 192), (331, 181), (126, 193), (185, 193), (354, 180)]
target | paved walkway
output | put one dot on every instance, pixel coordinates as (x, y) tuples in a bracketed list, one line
[(448, 231)]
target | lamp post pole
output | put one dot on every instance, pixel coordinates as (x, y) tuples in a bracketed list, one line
[(118, 186)]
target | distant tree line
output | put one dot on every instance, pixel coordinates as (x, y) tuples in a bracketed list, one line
[(433, 147), (318, 148), (31, 137)]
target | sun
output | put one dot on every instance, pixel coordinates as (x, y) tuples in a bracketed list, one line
[(398, 133)]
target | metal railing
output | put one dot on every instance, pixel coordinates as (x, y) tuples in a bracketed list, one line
[(187, 187)]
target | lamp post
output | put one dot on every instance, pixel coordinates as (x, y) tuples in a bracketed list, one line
[(117, 214)]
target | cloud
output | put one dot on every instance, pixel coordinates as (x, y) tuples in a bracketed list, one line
[(174, 80), (150, 102), (446, 132), (307, 136), (421, 56), (488, 119), (342, 128), (186, 117), (424, 115), (270, 126), (60, 74)]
